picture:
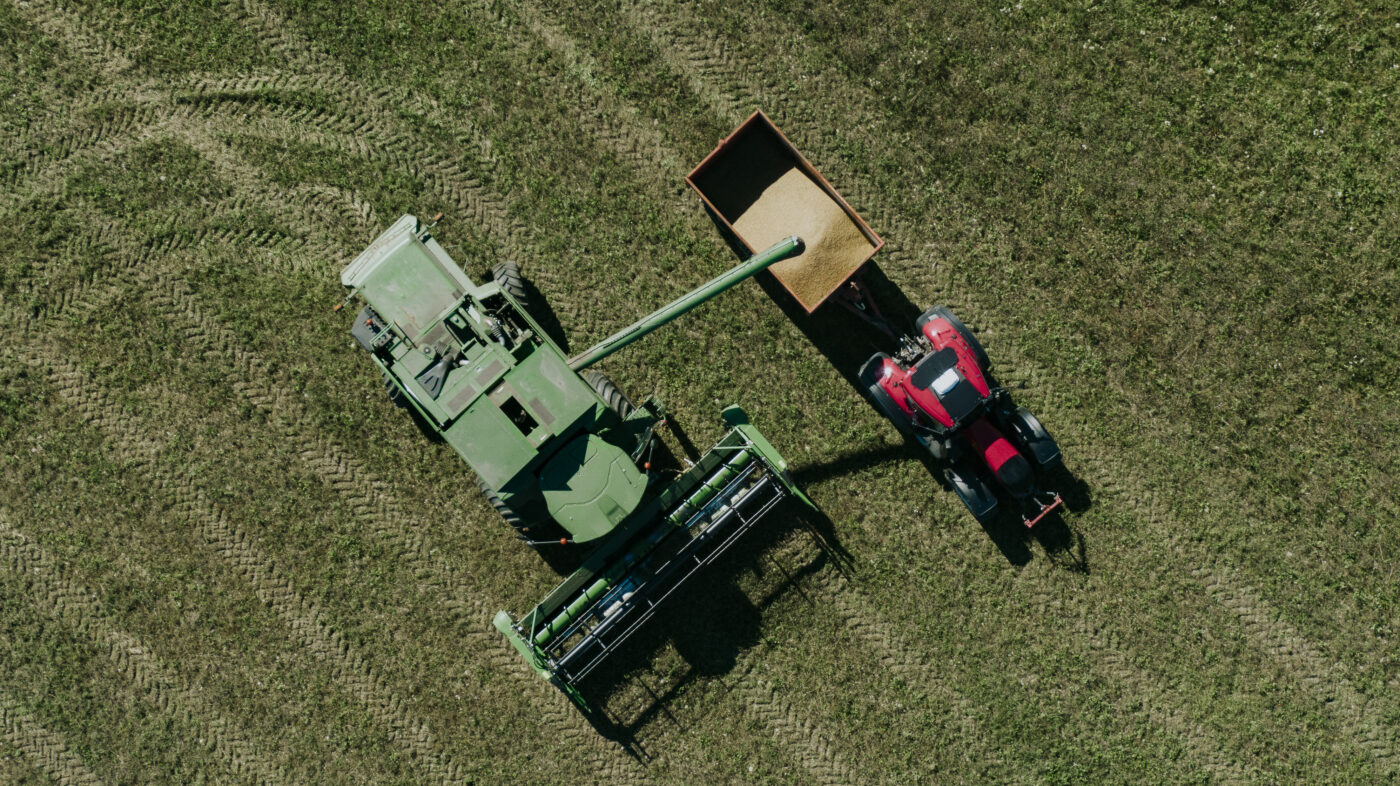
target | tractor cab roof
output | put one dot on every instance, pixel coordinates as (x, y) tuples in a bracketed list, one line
[(938, 372)]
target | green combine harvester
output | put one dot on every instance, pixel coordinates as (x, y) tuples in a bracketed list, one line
[(559, 451)]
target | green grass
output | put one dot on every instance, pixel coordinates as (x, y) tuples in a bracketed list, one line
[(1173, 223)]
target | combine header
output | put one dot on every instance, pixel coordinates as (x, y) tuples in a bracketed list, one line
[(563, 456)]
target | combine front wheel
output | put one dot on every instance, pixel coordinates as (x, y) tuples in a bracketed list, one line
[(611, 394)]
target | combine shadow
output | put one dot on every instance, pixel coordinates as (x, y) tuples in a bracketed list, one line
[(710, 622), (545, 316)]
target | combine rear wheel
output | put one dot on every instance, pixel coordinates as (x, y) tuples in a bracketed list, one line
[(611, 394), (507, 274)]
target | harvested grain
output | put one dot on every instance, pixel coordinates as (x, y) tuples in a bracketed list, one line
[(794, 204)]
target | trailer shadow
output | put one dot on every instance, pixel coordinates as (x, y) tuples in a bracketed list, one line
[(711, 623)]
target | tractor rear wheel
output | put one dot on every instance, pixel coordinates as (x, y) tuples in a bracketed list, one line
[(974, 493), (1033, 437), (611, 394), (945, 313), (507, 274)]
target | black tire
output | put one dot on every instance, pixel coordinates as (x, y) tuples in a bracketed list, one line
[(507, 274), (945, 313), (1032, 436), (870, 380), (611, 394), (975, 494), (395, 394), (494, 500)]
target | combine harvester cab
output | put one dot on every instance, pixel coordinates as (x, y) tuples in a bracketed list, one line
[(551, 445)]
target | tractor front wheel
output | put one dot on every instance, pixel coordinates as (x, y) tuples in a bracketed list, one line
[(870, 380), (943, 312)]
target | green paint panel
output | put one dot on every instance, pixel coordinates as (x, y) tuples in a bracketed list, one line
[(590, 486), (554, 393), (490, 443)]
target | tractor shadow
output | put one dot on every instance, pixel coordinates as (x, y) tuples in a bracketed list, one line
[(848, 341), (710, 622)]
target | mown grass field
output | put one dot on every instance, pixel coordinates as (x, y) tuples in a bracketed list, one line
[(225, 557)]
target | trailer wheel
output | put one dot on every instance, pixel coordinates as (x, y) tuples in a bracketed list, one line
[(611, 394), (944, 313), (507, 274), (507, 512)]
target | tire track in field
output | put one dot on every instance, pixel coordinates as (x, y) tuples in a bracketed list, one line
[(813, 748), (897, 657), (1360, 719), (58, 595), (369, 108), (44, 749), (64, 25), (341, 471), (618, 124), (157, 121), (231, 542), (694, 49), (207, 99)]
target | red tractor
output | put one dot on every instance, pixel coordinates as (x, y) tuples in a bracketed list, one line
[(938, 389)]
